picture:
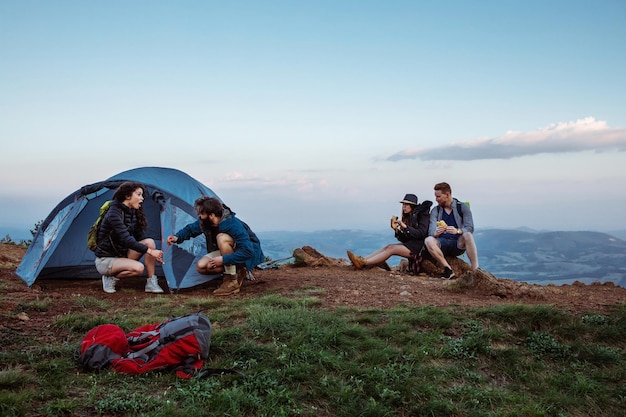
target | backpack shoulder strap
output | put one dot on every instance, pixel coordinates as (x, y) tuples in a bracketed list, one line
[(143, 353), (459, 208)]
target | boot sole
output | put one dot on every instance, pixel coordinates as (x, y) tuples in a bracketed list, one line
[(227, 293)]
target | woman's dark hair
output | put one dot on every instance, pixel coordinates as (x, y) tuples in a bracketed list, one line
[(406, 217), (209, 205), (126, 190)]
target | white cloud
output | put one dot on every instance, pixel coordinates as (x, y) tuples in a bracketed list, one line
[(582, 135)]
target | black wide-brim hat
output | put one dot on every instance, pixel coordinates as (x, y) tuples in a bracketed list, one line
[(410, 199)]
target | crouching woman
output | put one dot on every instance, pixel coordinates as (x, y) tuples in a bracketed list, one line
[(122, 241)]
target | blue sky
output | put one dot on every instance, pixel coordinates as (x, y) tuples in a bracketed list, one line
[(323, 114)]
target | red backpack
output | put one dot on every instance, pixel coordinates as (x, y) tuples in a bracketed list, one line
[(180, 344)]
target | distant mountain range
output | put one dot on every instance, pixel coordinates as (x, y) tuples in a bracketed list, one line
[(16, 234), (540, 257), (530, 256)]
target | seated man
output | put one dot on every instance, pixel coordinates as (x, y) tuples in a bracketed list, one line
[(232, 246), (451, 227)]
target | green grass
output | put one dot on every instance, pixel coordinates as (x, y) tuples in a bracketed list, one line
[(303, 360)]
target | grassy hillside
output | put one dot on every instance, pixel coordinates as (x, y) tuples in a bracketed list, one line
[(301, 359)]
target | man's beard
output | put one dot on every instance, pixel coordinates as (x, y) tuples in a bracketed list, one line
[(206, 224)]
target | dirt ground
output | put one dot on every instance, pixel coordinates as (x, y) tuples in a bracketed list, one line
[(333, 281)]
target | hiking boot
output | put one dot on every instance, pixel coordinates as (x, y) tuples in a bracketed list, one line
[(152, 285), (447, 273), (242, 273), (229, 286), (357, 261), (108, 284)]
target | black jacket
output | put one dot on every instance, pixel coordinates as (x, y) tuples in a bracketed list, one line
[(120, 231), (417, 228)]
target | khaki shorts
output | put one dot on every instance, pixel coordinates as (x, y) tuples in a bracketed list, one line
[(213, 254), (105, 266)]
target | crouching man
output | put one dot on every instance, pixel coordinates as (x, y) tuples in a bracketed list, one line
[(233, 248)]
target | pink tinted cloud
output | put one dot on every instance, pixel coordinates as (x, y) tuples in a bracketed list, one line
[(581, 135)]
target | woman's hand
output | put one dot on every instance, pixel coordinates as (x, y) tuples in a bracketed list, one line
[(156, 254), (394, 222)]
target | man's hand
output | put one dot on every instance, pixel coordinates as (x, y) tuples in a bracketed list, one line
[(441, 228), (171, 239), (215, 262)]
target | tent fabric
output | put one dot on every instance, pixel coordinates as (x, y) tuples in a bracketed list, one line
[(59, 248)]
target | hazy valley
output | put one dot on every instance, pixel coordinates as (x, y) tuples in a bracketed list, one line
[(534, 257)]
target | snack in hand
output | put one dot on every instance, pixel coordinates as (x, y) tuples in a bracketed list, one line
[(441, 223), (394, 222)]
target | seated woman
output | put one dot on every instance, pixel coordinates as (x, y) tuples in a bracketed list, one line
[(410, 230)]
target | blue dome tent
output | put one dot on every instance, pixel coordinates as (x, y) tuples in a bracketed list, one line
[(59, 248)]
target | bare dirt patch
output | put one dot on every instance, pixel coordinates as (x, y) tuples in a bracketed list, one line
[(333, 281)]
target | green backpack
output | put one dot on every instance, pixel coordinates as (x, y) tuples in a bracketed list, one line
[(92, 236)]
